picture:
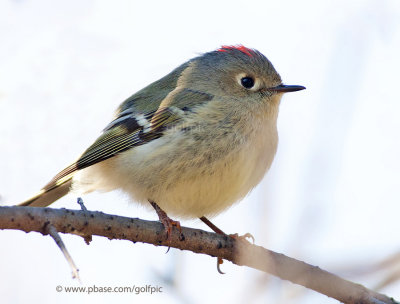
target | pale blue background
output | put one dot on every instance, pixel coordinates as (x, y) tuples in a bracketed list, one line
[(331, 197)]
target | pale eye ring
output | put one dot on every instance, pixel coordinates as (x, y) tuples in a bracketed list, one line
[(248, 82)]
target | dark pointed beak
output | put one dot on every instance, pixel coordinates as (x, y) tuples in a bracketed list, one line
[(283, 88)]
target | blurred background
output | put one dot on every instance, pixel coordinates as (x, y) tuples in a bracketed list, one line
[(331, 197)]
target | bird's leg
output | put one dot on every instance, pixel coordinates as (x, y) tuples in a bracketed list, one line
[(212, 226), (219, 231), (165, 220)]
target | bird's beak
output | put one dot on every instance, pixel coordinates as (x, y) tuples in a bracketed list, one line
[(283, 88)]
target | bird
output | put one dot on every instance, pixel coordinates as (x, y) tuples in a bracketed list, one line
[(190, 144)]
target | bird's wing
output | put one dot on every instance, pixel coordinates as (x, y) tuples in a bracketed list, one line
[(130, 129)]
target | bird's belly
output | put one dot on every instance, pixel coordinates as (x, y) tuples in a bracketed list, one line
[(210, 191)]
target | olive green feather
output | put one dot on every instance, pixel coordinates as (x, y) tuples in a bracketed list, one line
[(127, 130)]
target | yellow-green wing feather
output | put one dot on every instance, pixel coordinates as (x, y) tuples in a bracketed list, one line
[(129, 129)]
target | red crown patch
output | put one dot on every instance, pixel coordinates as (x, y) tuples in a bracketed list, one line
[(243, 49)]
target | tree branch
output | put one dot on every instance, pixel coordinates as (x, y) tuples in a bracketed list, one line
[(87, 223)]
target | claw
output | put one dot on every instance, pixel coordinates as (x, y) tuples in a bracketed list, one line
[(168, 224), (238, 237), (166, 221), (234, 236), (219, 262), (243, 237)]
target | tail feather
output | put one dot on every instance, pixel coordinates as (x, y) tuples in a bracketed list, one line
[(49, 195), (55, 189)]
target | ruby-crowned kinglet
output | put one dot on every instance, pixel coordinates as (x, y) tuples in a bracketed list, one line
[(192, 143)]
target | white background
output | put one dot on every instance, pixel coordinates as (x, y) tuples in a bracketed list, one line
[(331, 197)]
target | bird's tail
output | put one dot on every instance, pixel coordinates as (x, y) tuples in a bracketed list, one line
[(55, 189), (47, 197)]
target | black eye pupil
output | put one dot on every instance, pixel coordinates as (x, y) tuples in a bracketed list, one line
[(247, 82)]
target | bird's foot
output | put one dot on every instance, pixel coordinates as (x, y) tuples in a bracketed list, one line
[(167, 222), (240, 238), (243, 237)]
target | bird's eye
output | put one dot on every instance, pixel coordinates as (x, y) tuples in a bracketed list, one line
[(247, 82)]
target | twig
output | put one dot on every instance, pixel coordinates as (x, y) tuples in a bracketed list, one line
[(86, 237), (52, 231), (239, 252), (80, 202)]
